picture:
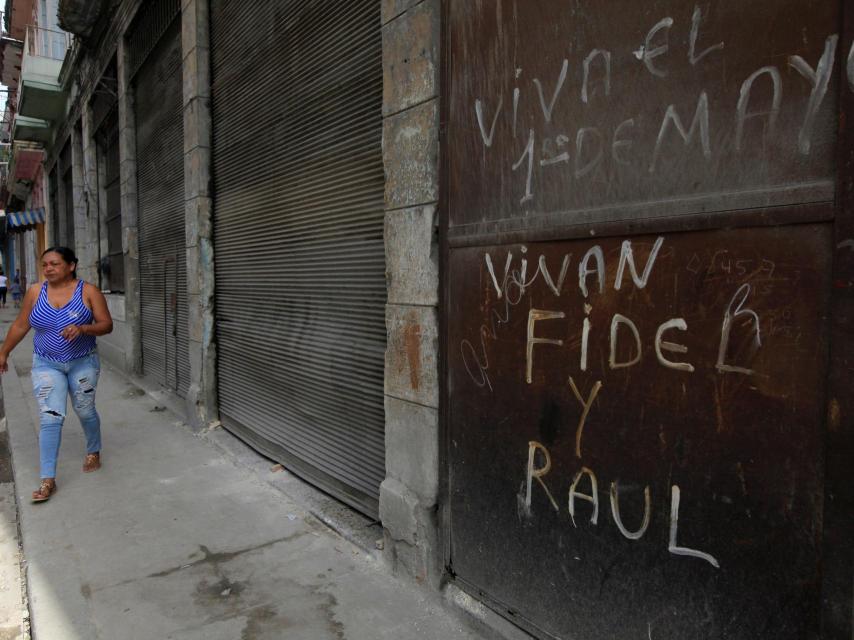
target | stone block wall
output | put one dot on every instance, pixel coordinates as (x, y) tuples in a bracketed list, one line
[(409, 494), (124, 349), (130, 217), (198, 210), (87, 210), (80, 194)]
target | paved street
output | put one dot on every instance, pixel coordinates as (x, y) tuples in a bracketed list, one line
[(177, 538)]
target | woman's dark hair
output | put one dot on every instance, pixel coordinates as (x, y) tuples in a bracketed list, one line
[(66, 254)]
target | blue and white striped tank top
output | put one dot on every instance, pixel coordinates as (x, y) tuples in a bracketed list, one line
[(49, 322)]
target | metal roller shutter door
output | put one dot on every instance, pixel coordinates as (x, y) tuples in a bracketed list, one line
[(160, 178), (298, 210)]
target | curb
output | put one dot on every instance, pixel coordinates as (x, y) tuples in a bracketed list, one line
[(7, 476)]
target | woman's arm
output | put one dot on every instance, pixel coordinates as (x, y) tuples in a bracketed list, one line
[(102, 320), (19, 328)]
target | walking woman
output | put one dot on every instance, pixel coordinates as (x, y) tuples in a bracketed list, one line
[(66, 314)]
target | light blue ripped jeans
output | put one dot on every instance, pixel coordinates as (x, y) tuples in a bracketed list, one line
[(53, 382)]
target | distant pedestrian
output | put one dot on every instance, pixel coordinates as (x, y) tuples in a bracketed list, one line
[(17, 293), (67, 314), (4, 283)]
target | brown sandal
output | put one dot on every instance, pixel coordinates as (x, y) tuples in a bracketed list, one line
[(92, 462), (46, 489)]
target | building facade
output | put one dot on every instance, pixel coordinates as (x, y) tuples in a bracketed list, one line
[(561, 297), (168, 135), (32, 50)]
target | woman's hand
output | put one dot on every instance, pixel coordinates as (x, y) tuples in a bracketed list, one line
[(4, 365), (71, 332)]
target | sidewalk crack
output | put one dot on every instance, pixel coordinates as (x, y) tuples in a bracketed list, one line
[(208, 557)]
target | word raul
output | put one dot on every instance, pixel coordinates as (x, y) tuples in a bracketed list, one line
[(576, 493)]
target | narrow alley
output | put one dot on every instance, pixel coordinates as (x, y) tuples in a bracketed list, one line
[(171, 539), (505, 319)]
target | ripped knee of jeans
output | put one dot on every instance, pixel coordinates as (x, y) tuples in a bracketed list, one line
[(44, 387), (84, 397), (49, 411)]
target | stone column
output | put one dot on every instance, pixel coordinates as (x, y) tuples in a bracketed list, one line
[(195, 47), (79, 200), (408, 496), (128, 188), (51, 216), (61, 236), (88, 229), (103, 230)]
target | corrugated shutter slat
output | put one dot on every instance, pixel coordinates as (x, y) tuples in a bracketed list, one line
[(298, 225)]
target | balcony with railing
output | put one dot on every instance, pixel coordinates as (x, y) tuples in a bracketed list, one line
[(41, 95), (22, 163), (8, 117), (5, 159)]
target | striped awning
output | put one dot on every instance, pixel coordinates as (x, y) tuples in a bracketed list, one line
[(26, 218)]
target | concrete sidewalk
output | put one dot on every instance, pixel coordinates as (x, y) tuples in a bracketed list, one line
[(14, 617), (172, 539)]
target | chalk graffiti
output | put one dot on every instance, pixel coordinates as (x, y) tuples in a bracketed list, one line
[(539, 472), (509, 279), (547, 110), (535, 315), (487, 137), (675, 323), (595, 80), (742, 114), (700, 121), (592, 497), (735, 310), (585, 409), (615, 512), (513, 284), (819, 78), (511, 290), (620, 321), (672, 547), (851, 67), (692, 39)]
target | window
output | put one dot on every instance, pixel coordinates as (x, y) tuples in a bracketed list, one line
[(67, 231), (112, 262), (53, 203)]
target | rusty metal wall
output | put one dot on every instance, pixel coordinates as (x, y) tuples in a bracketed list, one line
[(583, 115), (838, 516), (705, 379), (639, 220)]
